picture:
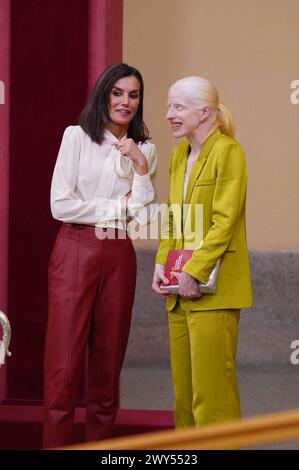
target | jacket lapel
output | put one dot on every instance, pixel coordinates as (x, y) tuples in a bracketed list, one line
[(180, 174), (200, 163)]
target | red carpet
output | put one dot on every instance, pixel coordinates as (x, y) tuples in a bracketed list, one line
[(21, 425)]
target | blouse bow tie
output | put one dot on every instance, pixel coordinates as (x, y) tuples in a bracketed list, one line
[(123, 165)]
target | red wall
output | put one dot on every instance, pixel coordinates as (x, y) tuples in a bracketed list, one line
[(51, 69), (4, 164)]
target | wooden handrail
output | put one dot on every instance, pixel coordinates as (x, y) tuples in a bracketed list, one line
[(231, 435)]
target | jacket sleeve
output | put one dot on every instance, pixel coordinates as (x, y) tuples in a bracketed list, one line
[(167, 241), (141, 205), (227, 206)]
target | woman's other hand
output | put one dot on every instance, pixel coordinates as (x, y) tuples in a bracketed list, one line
[(158, 278), (188, 285), (124, 201), (128, 148)]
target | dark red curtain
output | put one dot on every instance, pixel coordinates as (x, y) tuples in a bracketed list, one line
[(4, 163), (52, 66)]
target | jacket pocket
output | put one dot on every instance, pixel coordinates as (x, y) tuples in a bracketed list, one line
[(207, 182)]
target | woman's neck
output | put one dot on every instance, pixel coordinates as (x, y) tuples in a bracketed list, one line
[(118, 131), (197, 138)]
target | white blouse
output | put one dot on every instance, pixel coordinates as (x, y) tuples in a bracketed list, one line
[(90, 180)]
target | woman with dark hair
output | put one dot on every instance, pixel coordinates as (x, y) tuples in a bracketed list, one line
[(101, 178)]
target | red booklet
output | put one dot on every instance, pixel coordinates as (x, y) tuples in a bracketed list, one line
[(176, 259)]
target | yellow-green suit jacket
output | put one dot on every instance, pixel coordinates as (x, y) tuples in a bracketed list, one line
[(217, 190)]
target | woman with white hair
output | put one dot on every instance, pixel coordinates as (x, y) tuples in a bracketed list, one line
[(207, 174)]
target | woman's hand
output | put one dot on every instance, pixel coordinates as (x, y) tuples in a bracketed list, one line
[(128, 148), (188, 286), (158, 278), (124, 201)]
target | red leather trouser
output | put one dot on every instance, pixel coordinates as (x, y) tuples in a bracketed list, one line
[(91, 293)]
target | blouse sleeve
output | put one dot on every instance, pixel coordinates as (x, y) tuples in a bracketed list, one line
[(65, 203)]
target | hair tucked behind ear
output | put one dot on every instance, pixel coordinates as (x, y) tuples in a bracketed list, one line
[(203, 93), (225, 120), (95, 115)]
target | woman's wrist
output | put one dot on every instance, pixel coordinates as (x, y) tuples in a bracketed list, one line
[(141, 169)]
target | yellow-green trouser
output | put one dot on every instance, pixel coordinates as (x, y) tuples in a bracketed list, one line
[(203, 347)]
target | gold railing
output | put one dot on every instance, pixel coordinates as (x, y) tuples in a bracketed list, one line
[(231, 435)]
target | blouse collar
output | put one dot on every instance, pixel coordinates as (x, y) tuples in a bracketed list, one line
[(109, 138)]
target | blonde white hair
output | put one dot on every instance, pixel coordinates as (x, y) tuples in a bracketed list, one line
[(201, 92)]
